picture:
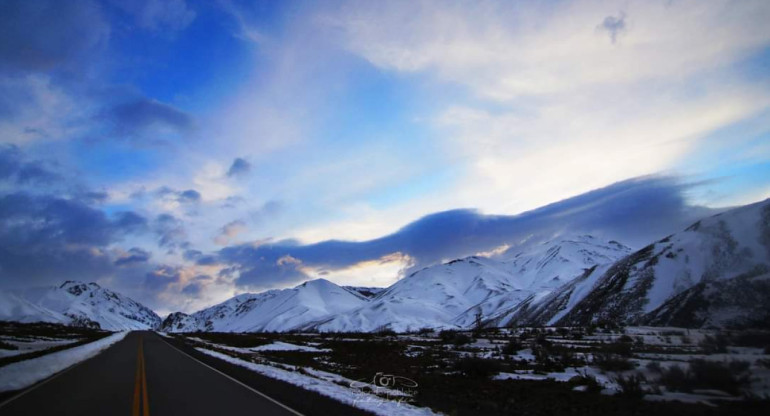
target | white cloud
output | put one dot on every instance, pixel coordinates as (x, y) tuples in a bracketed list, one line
[(373, 273), (39, 110), (504, 50), (556, 107)]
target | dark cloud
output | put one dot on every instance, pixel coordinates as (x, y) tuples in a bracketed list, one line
[(93, 197), (133, 256), (263, 273), (195, 287), (199, 258), (10, 161), (15, 167), (170, 231), (45, 237), (143, 118), (239, 167), (130, 222), (160, 278), (634, 212), (184, 197), (192, 255), (614, 25), (48, 34), (190, 195), (36, 173)]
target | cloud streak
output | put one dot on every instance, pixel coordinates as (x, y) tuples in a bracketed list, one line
[(636, 211)]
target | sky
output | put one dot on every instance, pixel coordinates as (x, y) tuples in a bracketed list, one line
[(184, 151)]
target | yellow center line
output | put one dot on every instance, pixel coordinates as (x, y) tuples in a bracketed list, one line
[(140, 384), (145, 401)]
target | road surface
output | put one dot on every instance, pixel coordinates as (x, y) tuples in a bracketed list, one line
[(144, 375)]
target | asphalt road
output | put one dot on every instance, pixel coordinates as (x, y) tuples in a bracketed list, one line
[(143, 375)]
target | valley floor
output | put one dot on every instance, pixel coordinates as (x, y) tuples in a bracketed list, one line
[(635, 370), (590, 371)]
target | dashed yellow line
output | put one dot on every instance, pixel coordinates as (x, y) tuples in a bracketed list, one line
[(141, 401)]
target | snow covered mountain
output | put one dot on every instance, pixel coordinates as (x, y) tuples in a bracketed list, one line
[(740, 302), (180, 322), (451, 295), (544, 267), (367, 292), (274, 310), (549, 265), (81, 304), (14, 308), (672, 281)]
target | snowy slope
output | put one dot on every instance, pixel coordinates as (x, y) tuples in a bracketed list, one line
[(365, 291), (544, 267), (431, 297), (549, 265), (723, 247), (741, 302), (180, 322), (274, 310), (450, 295), (14, 308), (87, 303)]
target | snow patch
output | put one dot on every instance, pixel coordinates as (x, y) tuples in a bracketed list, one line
[(19, 375), (350, 396)]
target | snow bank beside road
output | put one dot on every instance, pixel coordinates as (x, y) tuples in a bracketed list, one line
[(25, 373), (351, 396)]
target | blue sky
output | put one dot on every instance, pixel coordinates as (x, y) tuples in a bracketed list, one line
[(185, 151)]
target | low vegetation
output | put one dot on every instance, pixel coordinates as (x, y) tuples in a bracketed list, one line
[(61, 337), (603, 369)]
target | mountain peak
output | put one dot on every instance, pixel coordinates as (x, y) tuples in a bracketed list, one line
[(317, 284), (78, 303), (76, 287)]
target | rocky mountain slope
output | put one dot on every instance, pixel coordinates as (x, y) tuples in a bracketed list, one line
[(670, 281), (82, 304), (453, 294)]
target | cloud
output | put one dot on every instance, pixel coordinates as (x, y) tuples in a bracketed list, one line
[(161, 278), (229, 231), (144, 116), (530, 83), (44, 237), (93, 197), (134, 255), (171, 198), (614, 25), (505, 50), (159, 14), (190, 195), (195, 288), (239, 167), (635, 212), (268, 210), (246, 29), (170, 231), (130, 221), (48, 34), (15, 167)]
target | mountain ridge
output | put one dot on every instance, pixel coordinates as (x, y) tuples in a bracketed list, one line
[(714, 273), (81, 304)]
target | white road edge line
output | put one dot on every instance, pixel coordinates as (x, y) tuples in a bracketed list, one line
[(231, 378)]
